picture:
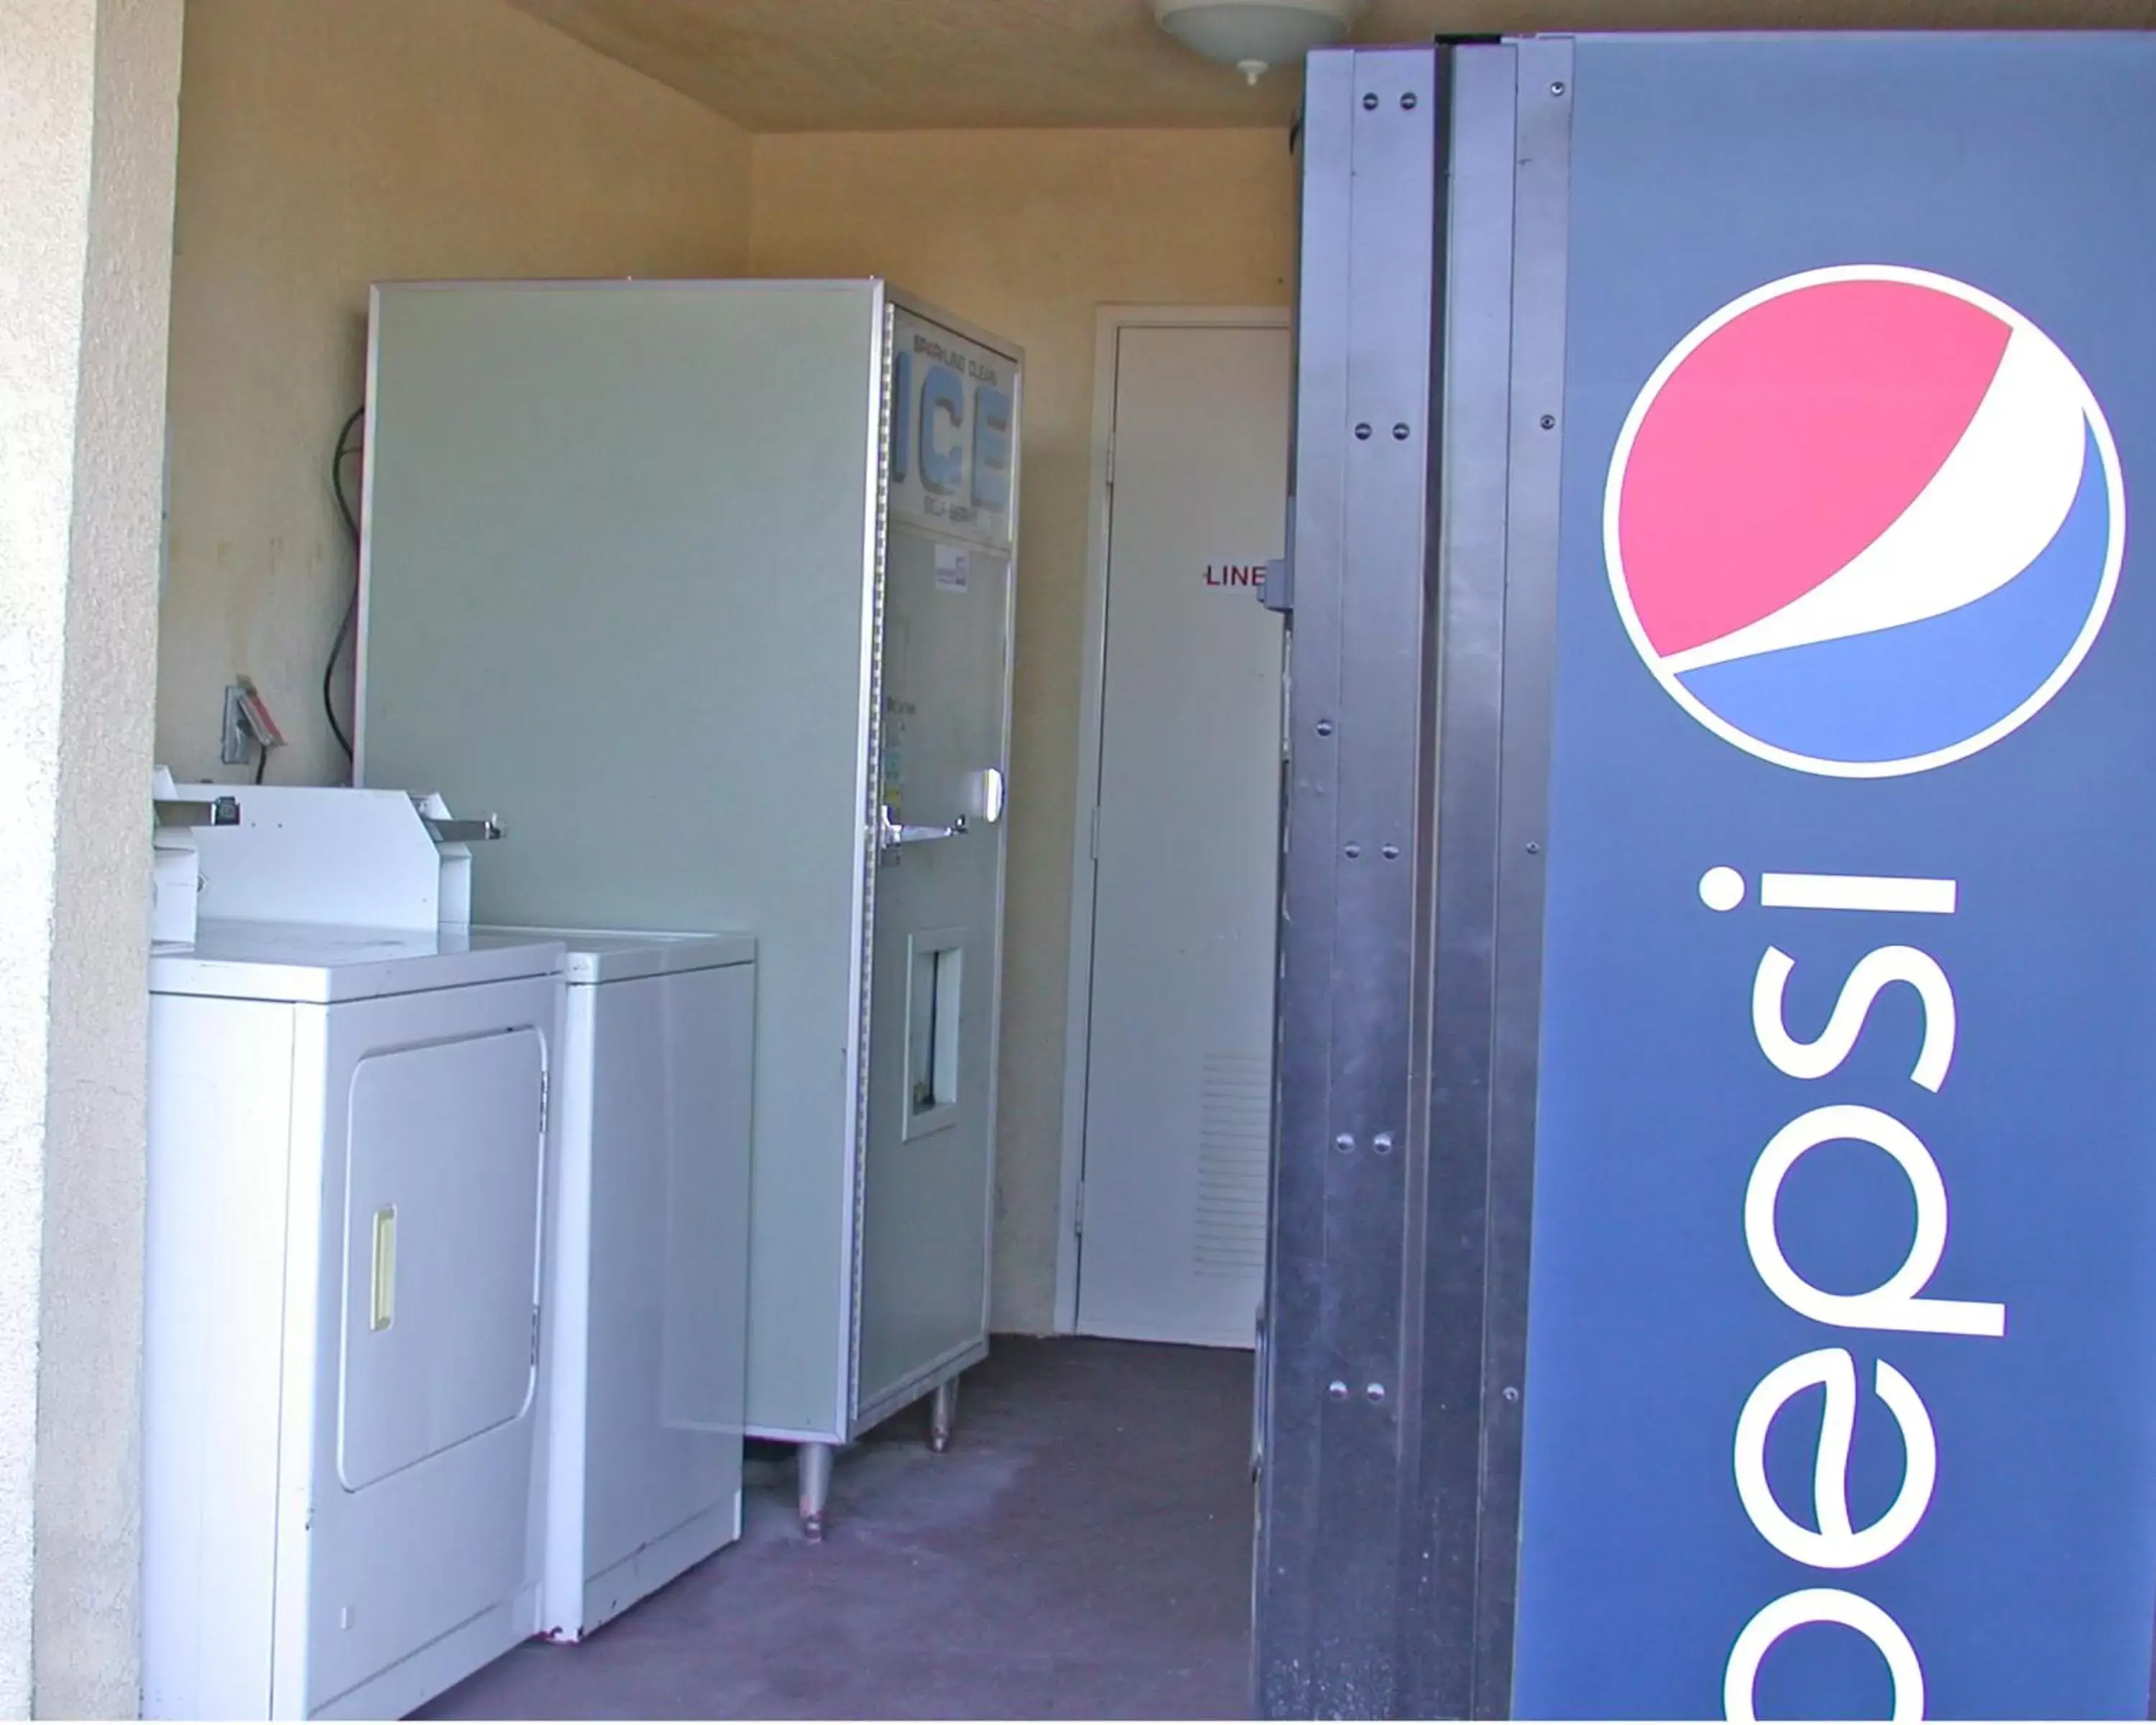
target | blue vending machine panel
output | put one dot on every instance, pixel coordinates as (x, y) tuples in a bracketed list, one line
[(1840, 1392)]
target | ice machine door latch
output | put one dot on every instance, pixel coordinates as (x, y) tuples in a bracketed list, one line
[(894, 834)]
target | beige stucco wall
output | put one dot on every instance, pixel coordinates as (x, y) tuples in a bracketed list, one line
[(1029, 232), (89, 91), (326, 144)]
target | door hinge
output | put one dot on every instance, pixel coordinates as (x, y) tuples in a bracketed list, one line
[(1078, 1211), (1112, 463), (545, 1101), (1093, 835), (535, 1335)]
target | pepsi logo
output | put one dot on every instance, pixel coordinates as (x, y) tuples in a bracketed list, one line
[(1865, 521)]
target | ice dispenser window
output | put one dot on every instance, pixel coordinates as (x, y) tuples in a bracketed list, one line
[(934, 1006)]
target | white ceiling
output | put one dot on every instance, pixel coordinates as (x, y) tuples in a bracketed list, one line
[(874, 65)]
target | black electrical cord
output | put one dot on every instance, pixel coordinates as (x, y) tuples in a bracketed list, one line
[(345, 448), (261, 761)]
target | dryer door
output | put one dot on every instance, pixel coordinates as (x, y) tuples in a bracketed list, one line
[(441, 1236)]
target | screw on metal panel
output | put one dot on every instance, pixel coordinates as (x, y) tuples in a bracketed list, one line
[(1510, 1393), (1376, 1392), (1408, 100), (1391, 853), (1383, 1143), (1324, 728), (1336, 1390), (1344, 1143), (1354, 851), (1549, 422), (1371, 99), (1400, 432), (1556, 90), (1362, 431), (1534, 849)]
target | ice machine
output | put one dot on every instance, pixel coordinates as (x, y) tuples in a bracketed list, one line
[(706, 586)]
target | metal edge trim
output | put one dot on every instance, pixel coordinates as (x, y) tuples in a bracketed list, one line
[(1460, 722), (1541, 236), (792, 1435), (1078, 949), (576, 283), (870, 792), (1281, 1677), (363, 562), (998, 932)]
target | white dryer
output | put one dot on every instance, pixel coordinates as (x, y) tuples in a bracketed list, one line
[(341, 1351), (647, 1278)]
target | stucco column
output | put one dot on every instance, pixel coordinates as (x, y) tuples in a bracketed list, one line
[(88, 117)]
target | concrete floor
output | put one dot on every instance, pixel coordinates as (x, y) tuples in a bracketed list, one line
[(1083, 1551)]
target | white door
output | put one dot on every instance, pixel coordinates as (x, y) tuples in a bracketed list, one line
[(944, 755), (441, 1249), (1178, 1080), (938, 903), (423, 1251)]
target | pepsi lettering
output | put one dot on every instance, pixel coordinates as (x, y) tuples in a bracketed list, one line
[(1829, 1540)]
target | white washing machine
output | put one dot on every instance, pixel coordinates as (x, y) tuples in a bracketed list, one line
[(647, 1280), (341, 1351)]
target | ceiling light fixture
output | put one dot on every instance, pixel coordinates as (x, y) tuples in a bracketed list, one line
[(1253, 36)]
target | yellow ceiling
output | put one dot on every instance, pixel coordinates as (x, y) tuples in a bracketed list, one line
[(874, 65)]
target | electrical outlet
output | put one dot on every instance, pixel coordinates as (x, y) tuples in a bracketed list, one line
[(249, 729), (235, 747)]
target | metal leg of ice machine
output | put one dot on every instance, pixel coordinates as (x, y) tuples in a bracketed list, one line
[(815, 1495), (942, 1415)]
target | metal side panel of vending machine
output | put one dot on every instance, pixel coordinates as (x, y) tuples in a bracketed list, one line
[(706, 587), (1715, 1264)]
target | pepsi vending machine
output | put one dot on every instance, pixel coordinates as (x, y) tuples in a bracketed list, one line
[(1714, 1270)]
